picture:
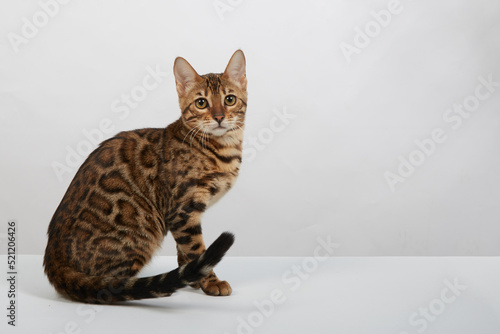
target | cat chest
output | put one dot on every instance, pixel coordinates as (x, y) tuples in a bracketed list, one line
[(226, 171), (205, 178), (220, 186)]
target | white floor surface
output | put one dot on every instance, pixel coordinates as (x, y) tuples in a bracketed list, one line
[(389, 295)]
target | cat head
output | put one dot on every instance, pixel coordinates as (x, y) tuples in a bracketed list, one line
[(213, 103)]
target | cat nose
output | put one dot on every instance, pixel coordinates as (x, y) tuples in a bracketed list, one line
[(219, 118)]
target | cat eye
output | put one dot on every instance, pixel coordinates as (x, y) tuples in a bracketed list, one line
[(230, 100), (201, 103)]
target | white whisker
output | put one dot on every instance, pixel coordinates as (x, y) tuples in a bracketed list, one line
[(200, 127), (187, 134), (205, 138)]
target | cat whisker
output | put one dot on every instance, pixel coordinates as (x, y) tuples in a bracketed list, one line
[(200, 140), (201, 127), (239, 127), (187, 134), (237, 123), (204, 138)]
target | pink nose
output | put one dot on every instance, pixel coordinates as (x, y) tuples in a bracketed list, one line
[(219, 118)]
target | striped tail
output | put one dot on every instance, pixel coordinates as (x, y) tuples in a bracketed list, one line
[(104, 290)]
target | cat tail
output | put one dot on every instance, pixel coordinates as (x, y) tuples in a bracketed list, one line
[(105, 290)]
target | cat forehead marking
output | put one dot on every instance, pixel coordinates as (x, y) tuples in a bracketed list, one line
[(213, 82)]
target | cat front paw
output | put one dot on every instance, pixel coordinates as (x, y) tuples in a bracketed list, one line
[(216, 288)]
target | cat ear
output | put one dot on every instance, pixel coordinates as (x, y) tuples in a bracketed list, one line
[(236, 69), (185, 76)]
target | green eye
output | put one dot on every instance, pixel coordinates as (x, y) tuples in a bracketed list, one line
[(230, 100), (201, 103)]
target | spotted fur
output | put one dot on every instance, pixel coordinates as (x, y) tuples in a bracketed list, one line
[(138, 185)]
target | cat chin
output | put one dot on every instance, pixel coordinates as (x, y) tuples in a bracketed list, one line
[(218, 132)]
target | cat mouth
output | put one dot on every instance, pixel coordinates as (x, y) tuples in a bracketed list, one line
[(218, 130)]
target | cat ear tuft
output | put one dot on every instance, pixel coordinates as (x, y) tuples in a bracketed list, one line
[(236, 69), (185, 76)]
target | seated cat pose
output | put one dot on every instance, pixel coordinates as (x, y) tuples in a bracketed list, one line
[(138, 185)]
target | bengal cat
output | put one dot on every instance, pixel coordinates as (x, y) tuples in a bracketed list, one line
[(138, 185)]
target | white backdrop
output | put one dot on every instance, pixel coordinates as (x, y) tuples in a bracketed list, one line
[(374, 124)]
